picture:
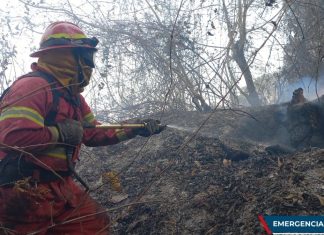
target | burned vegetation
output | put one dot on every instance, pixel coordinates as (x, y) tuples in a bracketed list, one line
[(241, 163)]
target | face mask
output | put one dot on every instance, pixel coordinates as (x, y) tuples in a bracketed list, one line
[(87, 71), (85, 63)]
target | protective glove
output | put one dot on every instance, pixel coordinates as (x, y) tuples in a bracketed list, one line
[(70, 131), (152, 126)]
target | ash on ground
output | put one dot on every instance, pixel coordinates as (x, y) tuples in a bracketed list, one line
[(240, 164)]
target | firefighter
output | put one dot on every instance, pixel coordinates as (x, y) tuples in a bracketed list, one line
[(41, 133)]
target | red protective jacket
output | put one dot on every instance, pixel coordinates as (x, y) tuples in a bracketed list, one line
[(27, 103), (57, 207)]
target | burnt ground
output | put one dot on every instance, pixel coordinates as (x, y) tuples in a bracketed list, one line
[(217, 183)]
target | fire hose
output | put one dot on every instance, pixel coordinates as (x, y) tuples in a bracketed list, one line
[(115, 125)]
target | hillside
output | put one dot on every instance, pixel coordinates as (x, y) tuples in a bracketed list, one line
[(240, 164)]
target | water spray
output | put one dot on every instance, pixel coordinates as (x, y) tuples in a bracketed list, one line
[(181, 128)]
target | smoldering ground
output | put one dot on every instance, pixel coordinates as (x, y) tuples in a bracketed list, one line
[(217, 183)]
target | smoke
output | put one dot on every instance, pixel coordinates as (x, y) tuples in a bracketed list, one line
[(311, 89)]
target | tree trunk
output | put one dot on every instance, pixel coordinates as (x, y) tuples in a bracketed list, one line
[(238, 56)]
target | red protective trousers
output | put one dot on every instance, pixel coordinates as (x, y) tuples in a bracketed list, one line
[(57, 207)]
